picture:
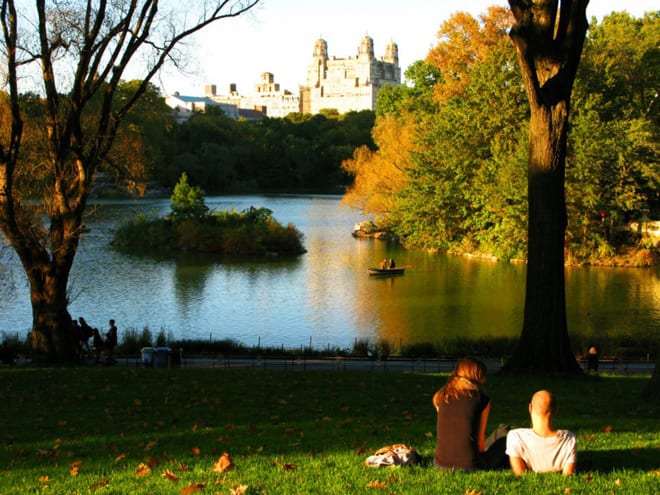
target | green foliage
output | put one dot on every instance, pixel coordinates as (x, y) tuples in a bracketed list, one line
[(298, 152), (251, 232), (313, 436), (187, 201), (466, 190)]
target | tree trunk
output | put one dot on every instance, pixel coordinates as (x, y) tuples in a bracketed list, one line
[(53, 339), (544, 346), (548, 41)]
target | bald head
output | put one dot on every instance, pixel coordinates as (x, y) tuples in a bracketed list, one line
[(543, 403)]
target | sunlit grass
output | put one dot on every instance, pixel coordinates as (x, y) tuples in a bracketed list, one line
[(160, 431)]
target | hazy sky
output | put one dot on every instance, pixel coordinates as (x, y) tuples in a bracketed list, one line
[(278, 36)]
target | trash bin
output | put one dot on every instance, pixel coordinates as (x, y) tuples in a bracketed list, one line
[(162, 357), (147, 354)]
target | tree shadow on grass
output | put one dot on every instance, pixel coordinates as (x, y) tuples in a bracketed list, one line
[(611, 460)]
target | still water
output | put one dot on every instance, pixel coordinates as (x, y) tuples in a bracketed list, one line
[(324, 298)]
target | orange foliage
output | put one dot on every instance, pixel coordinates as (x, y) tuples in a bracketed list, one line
[(465, 41), (379, 174), (223, 463)]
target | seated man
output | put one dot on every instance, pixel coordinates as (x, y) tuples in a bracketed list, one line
[(541, 448)]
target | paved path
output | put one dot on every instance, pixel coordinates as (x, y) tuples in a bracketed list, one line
[(420, 365)]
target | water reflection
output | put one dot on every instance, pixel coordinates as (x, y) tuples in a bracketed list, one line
[(326, 296)]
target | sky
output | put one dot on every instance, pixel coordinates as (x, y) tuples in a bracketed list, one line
[(278, 36)]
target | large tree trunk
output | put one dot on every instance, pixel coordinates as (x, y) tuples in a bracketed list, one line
[(549, 44), (544, 345), (53, 339)]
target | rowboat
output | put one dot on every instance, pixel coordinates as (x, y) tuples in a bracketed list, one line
[(386, 271)]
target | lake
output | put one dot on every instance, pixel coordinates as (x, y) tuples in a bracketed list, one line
[(324, 298)]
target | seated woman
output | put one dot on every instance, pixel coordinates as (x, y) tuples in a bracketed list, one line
[(463, 410)]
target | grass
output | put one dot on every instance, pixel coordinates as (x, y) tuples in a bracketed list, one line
[(161, 431)]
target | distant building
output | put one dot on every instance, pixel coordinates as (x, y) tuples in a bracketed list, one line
[(343, 84), (351, 83), (183, 107), (267, 98)]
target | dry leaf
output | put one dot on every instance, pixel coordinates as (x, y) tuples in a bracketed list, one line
[(153, 462), (183, 467), (142, 470), (608, 429), (360, 450), (377, 484), (195, 450), (289, 467), (567, 489), (223, 463), (617, 482), (194, 488), (120, 457), (589, 436), (473, 492), (44, 479), (73, 471), (239, 490), (100, 484), (150, 445), (169, 475)]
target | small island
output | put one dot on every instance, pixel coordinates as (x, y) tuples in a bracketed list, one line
[(191, 227)]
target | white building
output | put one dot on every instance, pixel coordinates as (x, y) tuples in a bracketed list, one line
[(183, 107), (350, 83), (267, 98)]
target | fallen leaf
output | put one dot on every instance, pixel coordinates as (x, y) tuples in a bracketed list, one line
[(377, 484), (473, 492), (223, 463), (567, 489), (617, 482), (153, 462), (589, 436), (428, 434), (195, 450), (169, 475), (360, 450), (239, 490), (608, 429), (100, 484), (142, 470), (183, 467), (73, 471), (120, 457), (150, 445), (194, 488), (289, 467), (44, 479)]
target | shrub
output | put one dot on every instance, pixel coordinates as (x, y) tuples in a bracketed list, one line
[(187, 201)]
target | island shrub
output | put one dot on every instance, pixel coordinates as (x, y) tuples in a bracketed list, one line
[(191, 227)]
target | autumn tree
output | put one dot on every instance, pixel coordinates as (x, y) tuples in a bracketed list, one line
[(79, 52), (548, 41)]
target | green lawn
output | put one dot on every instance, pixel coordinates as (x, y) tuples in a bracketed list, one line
[(161, 431)]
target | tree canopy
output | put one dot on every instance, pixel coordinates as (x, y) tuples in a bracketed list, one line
[(74, 58), (463, 188)]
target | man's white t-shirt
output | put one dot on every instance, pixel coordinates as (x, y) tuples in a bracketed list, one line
[(542, 454)]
